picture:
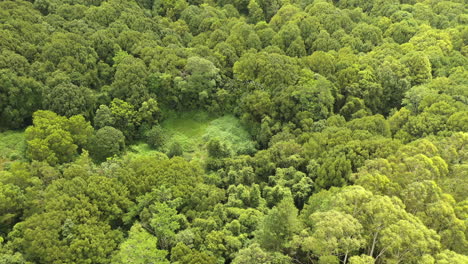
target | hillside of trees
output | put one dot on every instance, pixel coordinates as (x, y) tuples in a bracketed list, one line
[(243, 131)]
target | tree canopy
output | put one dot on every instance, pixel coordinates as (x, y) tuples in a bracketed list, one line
[(245, 131)]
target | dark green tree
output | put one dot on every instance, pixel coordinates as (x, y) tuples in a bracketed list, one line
[(175, 149), (107, 142), (67, 99)]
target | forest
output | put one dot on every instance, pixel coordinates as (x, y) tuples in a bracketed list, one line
[(242, 131)]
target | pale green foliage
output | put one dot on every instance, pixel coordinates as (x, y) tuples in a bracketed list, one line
[(449, 257), (334, 233), (140, 248), (408, 241), (255, 254), (363, 259)]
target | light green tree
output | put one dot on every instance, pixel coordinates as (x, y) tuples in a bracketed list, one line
[(140, 248), (279, 226), (56, 139), (407, 241), (334, 233)]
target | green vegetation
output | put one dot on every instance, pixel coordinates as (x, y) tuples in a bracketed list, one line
[(243, 132), (229, 130), (186, 129), (193, 130), (12, 145), (141, 149)]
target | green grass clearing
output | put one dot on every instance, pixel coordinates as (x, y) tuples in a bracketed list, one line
[(187, 129), (193, 130), (229, 130), (12, 146), (143, 149)]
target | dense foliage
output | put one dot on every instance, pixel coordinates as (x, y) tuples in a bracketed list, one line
[(275, 131)]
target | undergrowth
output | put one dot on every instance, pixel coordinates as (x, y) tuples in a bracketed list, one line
[(12, 145), (193, 130)]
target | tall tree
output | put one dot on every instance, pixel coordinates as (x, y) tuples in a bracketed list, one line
[(278, 227)]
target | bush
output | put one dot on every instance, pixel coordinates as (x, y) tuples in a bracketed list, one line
[(218, 149), (175, 150), (155, 137)]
